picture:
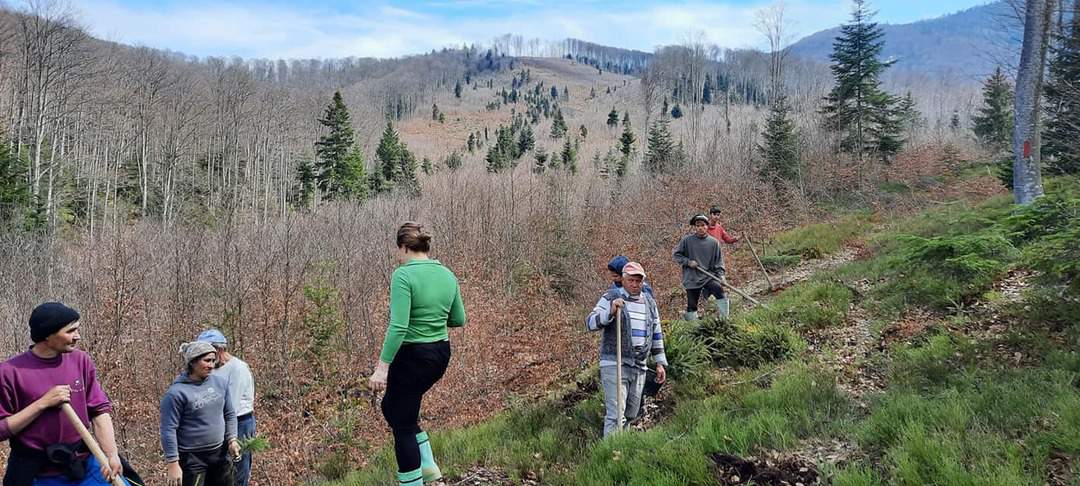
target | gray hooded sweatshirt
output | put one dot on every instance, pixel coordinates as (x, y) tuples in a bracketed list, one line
[(705, 251), (196, 416)]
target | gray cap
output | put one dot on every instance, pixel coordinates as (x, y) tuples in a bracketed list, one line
[(194, 349)]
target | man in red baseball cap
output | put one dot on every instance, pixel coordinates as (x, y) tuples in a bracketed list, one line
[(642, 338)]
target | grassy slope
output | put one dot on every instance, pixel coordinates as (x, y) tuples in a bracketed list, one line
[(955, 410)]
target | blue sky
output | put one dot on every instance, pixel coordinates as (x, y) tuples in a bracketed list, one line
[(338, 28)]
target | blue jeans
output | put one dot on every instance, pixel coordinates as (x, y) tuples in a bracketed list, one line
[(245, 428)]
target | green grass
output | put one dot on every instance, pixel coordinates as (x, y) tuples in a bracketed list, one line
[(817, 240)]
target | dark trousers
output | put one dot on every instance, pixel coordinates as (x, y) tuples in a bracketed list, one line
[(415, 369), (712, 288), (207, 468), (245, 429)]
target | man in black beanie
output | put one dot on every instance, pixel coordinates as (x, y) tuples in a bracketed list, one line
[(45, 448)]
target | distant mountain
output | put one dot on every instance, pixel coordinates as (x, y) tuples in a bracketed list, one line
[(967, 44)]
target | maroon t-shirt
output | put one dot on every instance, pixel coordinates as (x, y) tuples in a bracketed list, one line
[(26, 378)]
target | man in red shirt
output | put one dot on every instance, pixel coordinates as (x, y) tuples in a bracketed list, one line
[(716, 230), (45, 448)]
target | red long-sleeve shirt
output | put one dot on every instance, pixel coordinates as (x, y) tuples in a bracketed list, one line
[(717, 231)]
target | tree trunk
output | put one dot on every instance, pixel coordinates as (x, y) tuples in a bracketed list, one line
[(1027, 173)]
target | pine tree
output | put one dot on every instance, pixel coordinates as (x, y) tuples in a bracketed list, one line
[(626, 140), (353, 180), (613, 118), (434, 112), (453, 161), (954, 121), (781, 145), (676, 111), (994, 122), (854, 105), (886, 128), (426, 166), (15, 196), (706, 91), (661, 155), (334, 171), (457, 89), (908, 113), (526, 142), (626, 119), (554, 92), (471, 143), (1062, 136), (540, 158), (584, 131), (558, 125), (388, 153), (568, 157)]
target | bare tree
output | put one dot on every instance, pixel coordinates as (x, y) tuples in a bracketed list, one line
[(772, 24), (1027, 174)]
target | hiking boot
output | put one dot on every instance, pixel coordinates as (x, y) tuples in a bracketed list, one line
[(428, 466)]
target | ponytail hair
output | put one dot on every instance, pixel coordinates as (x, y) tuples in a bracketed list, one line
[(412, 236)]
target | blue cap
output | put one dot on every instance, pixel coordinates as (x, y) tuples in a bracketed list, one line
[(616, 264), (212, 336)]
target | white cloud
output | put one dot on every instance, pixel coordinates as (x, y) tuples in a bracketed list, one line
[(291, 32)]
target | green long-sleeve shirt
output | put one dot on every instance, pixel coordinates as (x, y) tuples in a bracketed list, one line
[(424, 300)]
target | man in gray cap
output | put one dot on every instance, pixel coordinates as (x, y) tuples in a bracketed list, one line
[(242, 391)]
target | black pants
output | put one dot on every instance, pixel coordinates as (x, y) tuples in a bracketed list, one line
[(415, 369), (712, 288), (207, 468)]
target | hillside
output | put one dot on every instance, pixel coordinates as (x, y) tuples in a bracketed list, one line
[(966, 44), (936, 347)]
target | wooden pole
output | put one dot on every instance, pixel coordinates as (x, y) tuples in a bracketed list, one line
[(619, 398), (89, 440), (749, 243), (731, 288)]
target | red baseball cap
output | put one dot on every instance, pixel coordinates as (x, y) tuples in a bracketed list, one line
[(633, 268)]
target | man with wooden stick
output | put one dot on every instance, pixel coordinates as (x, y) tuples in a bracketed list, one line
[(35, 386), (699, 250), (631, 334)]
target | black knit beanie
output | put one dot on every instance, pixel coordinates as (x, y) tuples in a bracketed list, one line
[(50, 317)]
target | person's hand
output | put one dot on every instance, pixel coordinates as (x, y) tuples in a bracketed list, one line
[(616, 305), (377, 382), (113, 468), (661, 374), (692, 263), (234, 450), (55, 396), (173, 475)]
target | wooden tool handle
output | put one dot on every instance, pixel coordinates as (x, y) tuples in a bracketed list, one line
[(89, 440)]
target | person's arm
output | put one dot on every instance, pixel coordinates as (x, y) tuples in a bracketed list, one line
[(680, 253), (718, 261), (230, 426), (600, 316), (400, 309), (16, 422), (457, 311), (725, 236), (106, 437), (171, 411)]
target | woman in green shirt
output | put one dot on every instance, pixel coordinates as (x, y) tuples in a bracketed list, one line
[(424, 301)]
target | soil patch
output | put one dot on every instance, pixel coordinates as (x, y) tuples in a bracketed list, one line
[(770, 469)]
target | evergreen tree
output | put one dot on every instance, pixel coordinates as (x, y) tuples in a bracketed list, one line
[(558, 125), (554, 92), (15, 196), (434, 112), (354, 181), (664, 110), (886, 128), (908, 113), (613, 118), (856, 104), (457, 89), (569, 157), (388, 154), (471, 143), (305, 180), (453, 161), (426, 167), (584, 131), (994, 122), (334, 171), (676, 111), (661, 155), (626, 119), (540, 158), (525, 140), (706, 91), (626, 140), (1062, 146), (781, 145), (954, 121), (407, 180)]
